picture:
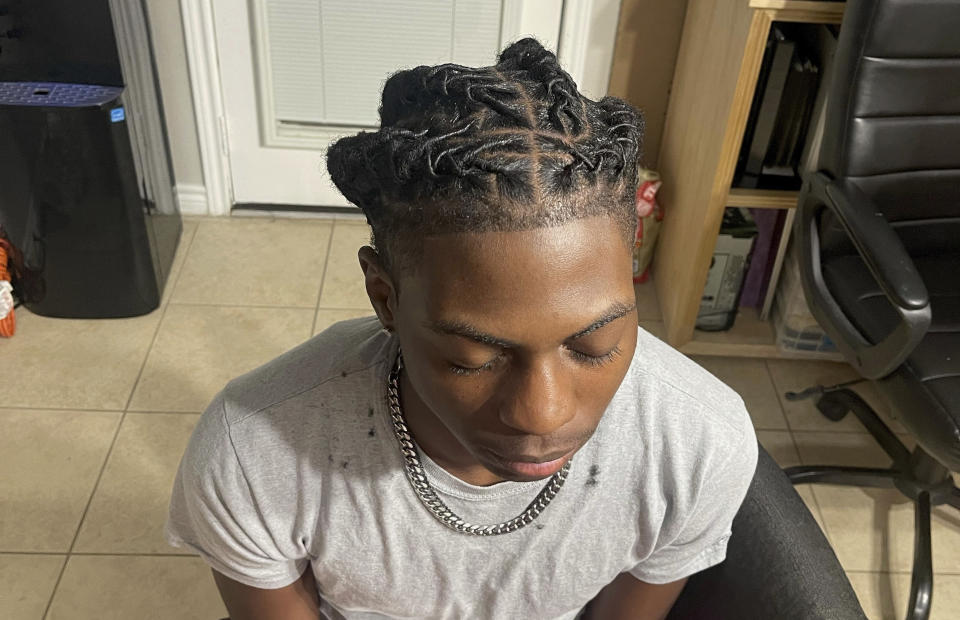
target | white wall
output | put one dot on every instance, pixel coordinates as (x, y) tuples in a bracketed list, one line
[(166, 29)]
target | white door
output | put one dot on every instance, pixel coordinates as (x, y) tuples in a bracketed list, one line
[(297, 74)]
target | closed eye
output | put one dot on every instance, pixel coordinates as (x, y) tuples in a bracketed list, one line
[(595, 360), (471, 370), (581, 357)]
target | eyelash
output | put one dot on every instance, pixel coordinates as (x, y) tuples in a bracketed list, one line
[(464, 371), (591, 360), (596, 360)]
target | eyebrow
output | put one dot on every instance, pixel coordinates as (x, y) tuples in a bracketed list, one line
[(466, 330)]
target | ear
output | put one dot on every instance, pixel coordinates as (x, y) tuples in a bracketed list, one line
[(379, 286)]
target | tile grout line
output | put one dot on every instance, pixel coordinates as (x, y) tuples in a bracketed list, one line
[(773, 383), (269, 307), (266, 221), (323, 279), (73, 409), (116, 434), (59, 409), (224, 305), (783, 412), (138, 554), (796, 449), (183, 263), (813, 487)]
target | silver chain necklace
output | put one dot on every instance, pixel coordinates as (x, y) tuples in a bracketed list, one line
[(418, 478)]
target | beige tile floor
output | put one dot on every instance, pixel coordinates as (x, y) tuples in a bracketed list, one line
[(94, 416)]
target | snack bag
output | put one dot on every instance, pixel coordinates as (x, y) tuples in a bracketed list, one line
[(8, 321), (649, 217)]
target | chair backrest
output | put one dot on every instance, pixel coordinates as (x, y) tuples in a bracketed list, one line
[(893, 118)]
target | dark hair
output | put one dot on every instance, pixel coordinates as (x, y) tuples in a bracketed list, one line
[(509, 147)]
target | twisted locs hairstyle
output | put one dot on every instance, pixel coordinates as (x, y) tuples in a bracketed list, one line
[(514, 146)]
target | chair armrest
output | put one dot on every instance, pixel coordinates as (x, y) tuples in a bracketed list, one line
[(876, 242), (889, 264)]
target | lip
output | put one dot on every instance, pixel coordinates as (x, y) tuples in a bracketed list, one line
[(531, 468)]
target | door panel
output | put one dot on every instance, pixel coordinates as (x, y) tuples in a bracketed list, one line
[(298, 74)]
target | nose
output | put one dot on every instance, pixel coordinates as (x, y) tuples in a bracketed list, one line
[(537, 402)]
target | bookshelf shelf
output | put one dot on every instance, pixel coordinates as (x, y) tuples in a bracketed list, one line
[(749, 336), (719, 61), (762, 198), (802, 11)]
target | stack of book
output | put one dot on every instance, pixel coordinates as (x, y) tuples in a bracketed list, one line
[(777, 127)]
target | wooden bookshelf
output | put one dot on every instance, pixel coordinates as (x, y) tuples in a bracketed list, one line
[(721, 51)]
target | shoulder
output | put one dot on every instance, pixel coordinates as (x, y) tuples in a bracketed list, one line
[(695, 455), (664, 383), (344, 349), (276, 429), (695, 428), (678, 381)]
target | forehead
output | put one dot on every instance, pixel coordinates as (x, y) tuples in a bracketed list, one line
[(562, 274)]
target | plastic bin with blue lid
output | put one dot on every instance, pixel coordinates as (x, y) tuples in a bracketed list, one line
[(72, 201)]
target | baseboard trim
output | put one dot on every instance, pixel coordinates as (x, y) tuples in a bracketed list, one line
[(192, 199)]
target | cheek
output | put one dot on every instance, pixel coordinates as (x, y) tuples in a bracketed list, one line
[(455, 397)]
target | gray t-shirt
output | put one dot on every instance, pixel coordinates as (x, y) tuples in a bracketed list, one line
[(296, 465)]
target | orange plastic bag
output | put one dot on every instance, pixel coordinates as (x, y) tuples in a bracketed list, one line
[(8, 323)]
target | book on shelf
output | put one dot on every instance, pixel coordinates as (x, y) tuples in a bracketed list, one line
[(822, 42), (774, 70), (793, 117), (778, 125), (783, 242), (770, 228), (794, 148)]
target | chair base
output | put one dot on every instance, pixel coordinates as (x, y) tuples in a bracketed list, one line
[(917, 475)]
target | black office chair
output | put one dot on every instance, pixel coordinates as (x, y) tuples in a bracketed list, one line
[(779, 564), (879, 236)]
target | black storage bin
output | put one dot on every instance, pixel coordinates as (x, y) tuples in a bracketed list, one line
[(85, 182), (69, 201)]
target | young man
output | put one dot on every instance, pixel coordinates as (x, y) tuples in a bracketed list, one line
[(501, 441)]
